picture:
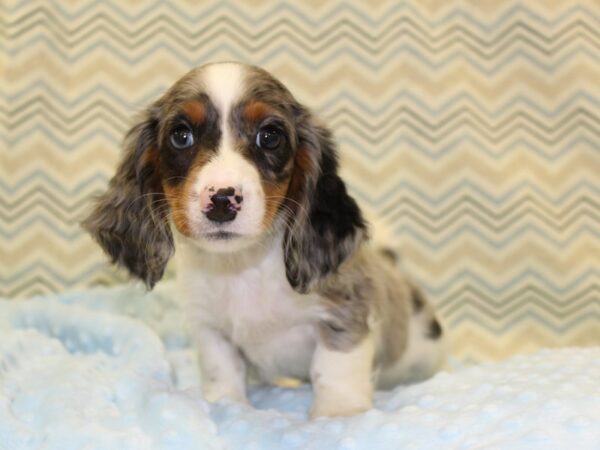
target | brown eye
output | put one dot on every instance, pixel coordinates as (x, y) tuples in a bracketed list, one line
[(182, 137), (269, 138)]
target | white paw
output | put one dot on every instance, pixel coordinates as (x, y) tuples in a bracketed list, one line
[(339, 406), (215, 392)]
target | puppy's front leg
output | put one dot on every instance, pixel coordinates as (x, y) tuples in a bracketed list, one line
[(342, 379), (223, 369)]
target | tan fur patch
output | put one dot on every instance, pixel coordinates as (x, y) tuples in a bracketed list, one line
[(275, 195), (195, 111), (256, 111), (180, 195), (149, 156), (303, 167), (178, 198)]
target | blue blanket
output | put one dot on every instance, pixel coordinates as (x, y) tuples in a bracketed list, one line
[(114, 369)]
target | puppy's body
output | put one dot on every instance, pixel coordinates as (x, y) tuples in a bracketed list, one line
[(246, 299), (236, 178)]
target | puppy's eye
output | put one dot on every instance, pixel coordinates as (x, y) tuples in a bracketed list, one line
[(269, 138), (182, 137)]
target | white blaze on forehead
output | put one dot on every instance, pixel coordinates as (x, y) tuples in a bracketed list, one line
[(224, 83)]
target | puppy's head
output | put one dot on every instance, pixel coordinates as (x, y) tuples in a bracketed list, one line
[(226, 156)]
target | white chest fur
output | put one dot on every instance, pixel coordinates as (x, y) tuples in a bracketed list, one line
[(246, 296)]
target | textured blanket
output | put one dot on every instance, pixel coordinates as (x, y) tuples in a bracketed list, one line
[(113, 369)]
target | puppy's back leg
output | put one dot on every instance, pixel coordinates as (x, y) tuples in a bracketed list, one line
[(425, 351)]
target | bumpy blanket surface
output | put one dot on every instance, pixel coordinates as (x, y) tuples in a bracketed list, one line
[(114, 369)]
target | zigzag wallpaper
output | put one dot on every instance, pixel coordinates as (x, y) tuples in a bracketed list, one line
[(471, 129)]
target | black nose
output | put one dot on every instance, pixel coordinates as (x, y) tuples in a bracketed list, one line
[(223, 209)]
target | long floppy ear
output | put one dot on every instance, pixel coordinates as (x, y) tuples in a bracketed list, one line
[(328, 224), (129, 220)]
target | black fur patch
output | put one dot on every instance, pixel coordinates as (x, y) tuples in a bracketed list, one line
[(333, 210), (417, 300), (334, 327), (274, 165), (176, 163), (389, 254), (435, 330), (317, 245)]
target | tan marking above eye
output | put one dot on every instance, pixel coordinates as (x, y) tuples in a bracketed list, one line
[(256, 111), (195, 112)]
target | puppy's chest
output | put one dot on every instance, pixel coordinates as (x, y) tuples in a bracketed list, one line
[(252, 306)]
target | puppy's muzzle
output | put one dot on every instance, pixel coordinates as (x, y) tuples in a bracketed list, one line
[(221, 205)]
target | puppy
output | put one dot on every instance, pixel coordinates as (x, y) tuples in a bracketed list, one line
[(231, 174)]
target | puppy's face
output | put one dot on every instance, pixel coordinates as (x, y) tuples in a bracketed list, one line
[(225, 154)]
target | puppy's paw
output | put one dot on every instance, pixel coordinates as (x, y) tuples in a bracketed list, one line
[(214, 392), (340, 406)]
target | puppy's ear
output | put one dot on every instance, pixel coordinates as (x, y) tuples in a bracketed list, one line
[(328, 224), (129, 220)]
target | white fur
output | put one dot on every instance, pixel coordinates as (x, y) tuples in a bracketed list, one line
[(222, 366), (246, 297), (342, 381), (224, 83)]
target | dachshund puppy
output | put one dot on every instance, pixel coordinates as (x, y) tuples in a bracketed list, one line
[(231, 174)]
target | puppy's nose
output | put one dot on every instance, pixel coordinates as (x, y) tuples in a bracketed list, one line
[(223, 204)]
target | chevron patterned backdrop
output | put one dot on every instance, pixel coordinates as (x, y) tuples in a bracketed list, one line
[(471, 128)]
